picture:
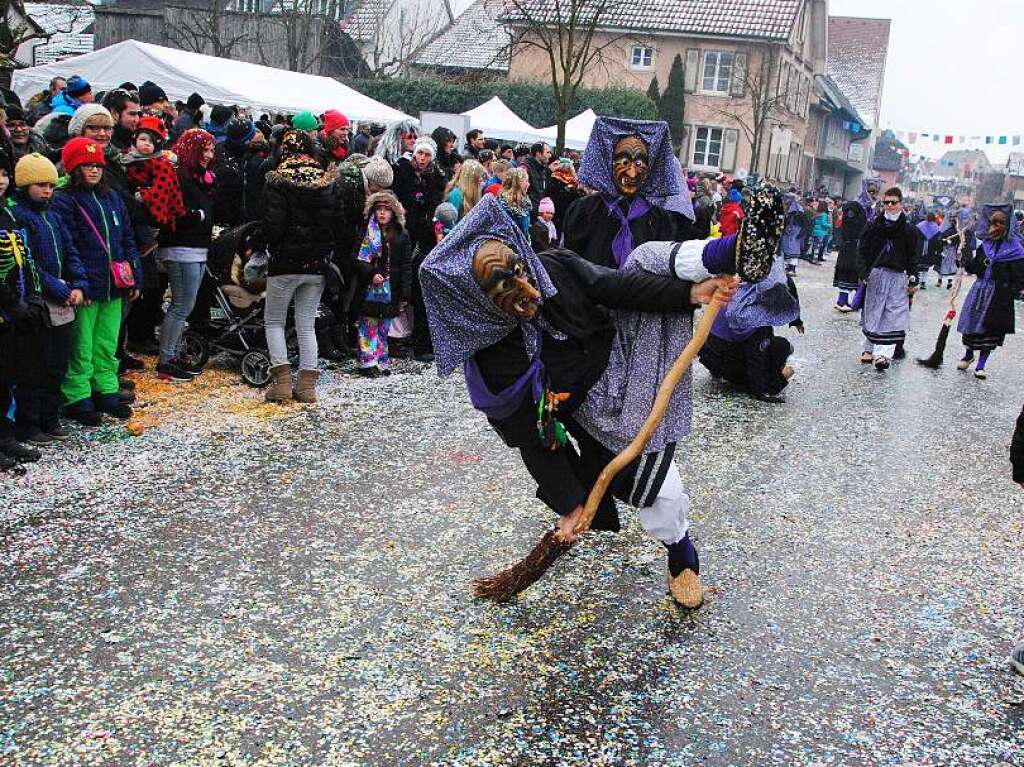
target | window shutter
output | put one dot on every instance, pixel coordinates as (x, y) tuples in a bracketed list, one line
[(684, 145), (692, 70), (738, 86), (730, 138)]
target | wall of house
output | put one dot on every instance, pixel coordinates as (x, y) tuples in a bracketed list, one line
[(716, 138)]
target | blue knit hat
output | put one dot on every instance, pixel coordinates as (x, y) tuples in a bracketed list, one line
[(78, 86)]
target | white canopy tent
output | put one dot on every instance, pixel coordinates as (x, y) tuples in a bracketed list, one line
[(217, 80), (577, 130), (496, 120)]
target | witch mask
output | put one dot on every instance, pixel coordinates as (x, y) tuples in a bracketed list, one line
[(631, 165), (506, 280)]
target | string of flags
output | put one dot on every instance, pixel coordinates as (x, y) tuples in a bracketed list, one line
[(912, 138)]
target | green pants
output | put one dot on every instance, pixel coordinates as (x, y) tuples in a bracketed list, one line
[(93, 363)]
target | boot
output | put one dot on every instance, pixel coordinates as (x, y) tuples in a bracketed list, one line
[(305, 385), (10, 447), (684, 574), (280, 389)]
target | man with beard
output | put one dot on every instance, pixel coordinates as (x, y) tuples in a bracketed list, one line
[(639, 197), (125, 111), (23, 139)]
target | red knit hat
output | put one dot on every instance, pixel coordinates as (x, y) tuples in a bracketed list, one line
[(153, 124), (81, 151), (333, 119)]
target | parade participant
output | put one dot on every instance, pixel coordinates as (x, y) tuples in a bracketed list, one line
[(888, 267), (398, 140), (950, 241), (857, 214), (631, 165), (929, 232), (988, 313), (743, 348), (794, 237), (532, 331)]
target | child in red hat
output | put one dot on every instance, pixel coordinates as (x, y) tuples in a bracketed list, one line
[(151, 177)]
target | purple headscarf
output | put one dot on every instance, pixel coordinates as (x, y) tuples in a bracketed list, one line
[(757, 305), (865, 200), (792, 202), (462, 319), (929, 229), (682, 202), (664, 183), (979, 298)]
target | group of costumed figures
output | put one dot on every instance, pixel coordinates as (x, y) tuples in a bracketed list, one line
[(572, 353), (884, 260)]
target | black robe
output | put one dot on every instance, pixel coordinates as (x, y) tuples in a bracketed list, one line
[(847, 274), (580, 311), (589, 229), (1008, 278)]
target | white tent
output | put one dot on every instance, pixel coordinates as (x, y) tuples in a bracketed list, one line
[(577, 130), (496, 120), (219, 81)]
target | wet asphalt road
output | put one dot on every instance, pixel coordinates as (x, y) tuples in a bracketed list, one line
[(244, 585)]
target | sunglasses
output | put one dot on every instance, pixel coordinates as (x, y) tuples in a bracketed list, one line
[(891, 203)]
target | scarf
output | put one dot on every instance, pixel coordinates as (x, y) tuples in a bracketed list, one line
[(622, 245), (372, 252)]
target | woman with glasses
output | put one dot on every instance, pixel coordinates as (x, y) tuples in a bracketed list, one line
[(888, 271)]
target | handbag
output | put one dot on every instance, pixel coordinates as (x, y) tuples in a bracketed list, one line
[(120, 271), (60, 314)]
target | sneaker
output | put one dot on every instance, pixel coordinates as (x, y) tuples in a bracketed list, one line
[(187, 365), (1017, 658), (39, 438), (981, 375), (881, 363), (58, 432), (867, 358), (14, 449), (168, 371), (115, 408), (85, 417), (128, 362), (900, 353), (759, 235), (964, 364)]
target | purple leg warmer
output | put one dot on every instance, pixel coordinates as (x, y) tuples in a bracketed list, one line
[(844, 298), (719, 255), (982, 359)]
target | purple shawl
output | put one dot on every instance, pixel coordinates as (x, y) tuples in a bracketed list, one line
[(929, 229), (767, 303), (865, 200), (644, 349), (462, 319)]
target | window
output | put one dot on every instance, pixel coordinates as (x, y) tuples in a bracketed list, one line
[(717, 71), (642, 57), (707, 147)]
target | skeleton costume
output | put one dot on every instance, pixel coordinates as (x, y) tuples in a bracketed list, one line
[(603, 338), (605, 227)]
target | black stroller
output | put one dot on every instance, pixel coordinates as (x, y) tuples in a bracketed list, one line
[(228, 317)]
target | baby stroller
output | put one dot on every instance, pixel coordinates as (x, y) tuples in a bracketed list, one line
[(228, 318)]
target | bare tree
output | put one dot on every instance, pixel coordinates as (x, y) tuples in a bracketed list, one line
[(396, 30), (570, 35), (766, 96), (18, 28), (305, 28), (213, 30)]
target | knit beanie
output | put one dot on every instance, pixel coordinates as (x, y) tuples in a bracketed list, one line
[(446, 214), (150, 93), (91, 114), (378, 171), (78, 86), (305, 121), (15, 113), (546, 205), (34, 169), (240, 131), (735, 196), (333, 119), (81, 151), (194, 102), (220, 114), (425, 144)]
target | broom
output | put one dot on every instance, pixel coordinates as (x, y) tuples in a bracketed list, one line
[(934, 361), (520, 576)]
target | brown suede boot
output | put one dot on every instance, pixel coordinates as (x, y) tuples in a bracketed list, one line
[(305, 385), (280, 389)]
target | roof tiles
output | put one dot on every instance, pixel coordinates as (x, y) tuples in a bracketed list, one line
[(475, 40), (857, 52)]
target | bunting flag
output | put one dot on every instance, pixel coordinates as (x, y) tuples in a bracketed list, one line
[(988, 139), (968, 142), (949, 140), (1002, 139)]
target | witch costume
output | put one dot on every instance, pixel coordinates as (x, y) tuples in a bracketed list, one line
[(794, 236), (857, 214), (743, 348), (888, 267), (605, 227), (605, 338), (988, 311)]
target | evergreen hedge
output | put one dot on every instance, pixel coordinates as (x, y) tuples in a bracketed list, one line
[(533, 102)]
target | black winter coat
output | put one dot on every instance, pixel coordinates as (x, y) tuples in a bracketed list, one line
[(238, 196), (906, 242), (538, 174), (195, 228), (589, 229), (1008, 278), (419, 194), (301, 221), (394, 263), (1017, 449)]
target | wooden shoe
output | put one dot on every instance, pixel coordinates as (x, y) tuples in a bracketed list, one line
[(686, 589)]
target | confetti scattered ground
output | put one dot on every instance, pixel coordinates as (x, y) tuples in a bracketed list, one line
[(251, 585)]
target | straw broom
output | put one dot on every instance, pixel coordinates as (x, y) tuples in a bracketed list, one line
[(509, 582), (934, 361)]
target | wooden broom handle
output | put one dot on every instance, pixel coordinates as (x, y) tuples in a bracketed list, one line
[(661, 403)]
